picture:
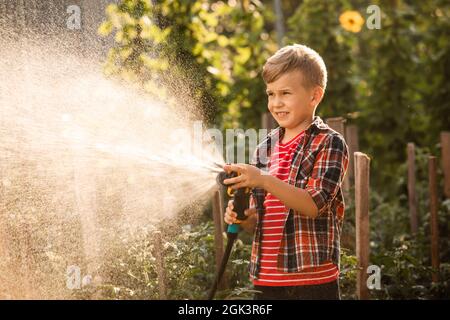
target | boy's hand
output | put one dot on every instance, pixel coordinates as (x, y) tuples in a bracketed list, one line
[(230, 215), (250, 176)]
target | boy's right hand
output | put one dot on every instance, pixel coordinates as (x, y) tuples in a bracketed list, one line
[(230, 215)]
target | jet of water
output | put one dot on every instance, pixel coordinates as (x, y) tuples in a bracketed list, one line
[(83, 158)]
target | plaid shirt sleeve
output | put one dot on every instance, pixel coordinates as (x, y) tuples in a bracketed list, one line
[(328, 172)]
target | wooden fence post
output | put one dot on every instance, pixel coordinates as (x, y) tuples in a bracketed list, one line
[(362, 174), (218, 233), (160, 265), (412, 198), (445, 149), (338, 124), (351, 136), (432, 178)]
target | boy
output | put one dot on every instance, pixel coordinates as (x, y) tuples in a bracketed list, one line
[(297, 206)]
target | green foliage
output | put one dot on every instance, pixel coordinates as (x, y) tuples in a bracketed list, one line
[(211, 50), (189, 260), (406, 273), (405, 260), (401, 93), (347, 277), (388, 81)]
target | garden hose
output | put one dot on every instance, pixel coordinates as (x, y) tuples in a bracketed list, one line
[(240, 204)]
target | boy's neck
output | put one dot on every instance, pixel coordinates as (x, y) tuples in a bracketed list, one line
[(290, 133)]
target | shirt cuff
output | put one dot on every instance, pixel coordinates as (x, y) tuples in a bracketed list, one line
[(320, 198)]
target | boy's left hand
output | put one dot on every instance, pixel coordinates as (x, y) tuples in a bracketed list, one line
[(250, 176)]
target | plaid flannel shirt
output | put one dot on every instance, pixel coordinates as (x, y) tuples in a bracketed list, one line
[(319, 165)]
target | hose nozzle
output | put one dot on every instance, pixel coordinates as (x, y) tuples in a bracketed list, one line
[(240, 196), (223, 176)]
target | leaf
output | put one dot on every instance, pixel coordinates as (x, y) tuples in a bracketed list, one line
[(105, 28), (243, 55), (222, 41)]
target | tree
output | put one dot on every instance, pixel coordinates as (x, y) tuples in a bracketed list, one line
[(214, 50)]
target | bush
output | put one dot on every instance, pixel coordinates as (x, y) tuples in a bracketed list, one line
[(130, 272)]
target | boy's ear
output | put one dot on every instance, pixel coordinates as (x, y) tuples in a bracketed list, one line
[(317, 95)]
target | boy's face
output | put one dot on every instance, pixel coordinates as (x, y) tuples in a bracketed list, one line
[(290, 102)]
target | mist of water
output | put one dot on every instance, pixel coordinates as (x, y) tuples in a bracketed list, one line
[(83, 159)]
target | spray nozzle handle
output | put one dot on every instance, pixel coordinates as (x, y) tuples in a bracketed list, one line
[(240, 196), (241, 199)]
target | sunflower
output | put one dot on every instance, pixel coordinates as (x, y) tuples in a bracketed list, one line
[(351, 21)]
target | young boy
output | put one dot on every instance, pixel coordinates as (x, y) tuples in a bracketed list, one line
[(297, 205)]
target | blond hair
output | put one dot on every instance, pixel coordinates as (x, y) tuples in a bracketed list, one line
[(296, 57)]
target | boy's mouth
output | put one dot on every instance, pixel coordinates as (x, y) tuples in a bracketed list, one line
[(281, 114)]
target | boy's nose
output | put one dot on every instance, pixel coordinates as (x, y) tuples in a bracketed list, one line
[(277, 102)]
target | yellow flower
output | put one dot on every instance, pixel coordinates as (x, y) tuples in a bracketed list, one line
[(351, 21)]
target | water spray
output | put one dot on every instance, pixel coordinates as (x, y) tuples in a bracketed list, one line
[(240, 204), (81, 158)]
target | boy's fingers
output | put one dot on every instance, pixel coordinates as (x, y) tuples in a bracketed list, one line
[(234, 180), (230, 216), (238, 185), (230, 213), (233, 167), (250, 211), (229, 219)]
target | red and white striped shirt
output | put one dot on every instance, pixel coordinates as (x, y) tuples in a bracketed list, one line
[(272, 230)]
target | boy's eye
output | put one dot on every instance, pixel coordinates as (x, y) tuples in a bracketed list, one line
[(270, 94), (286, 92)]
